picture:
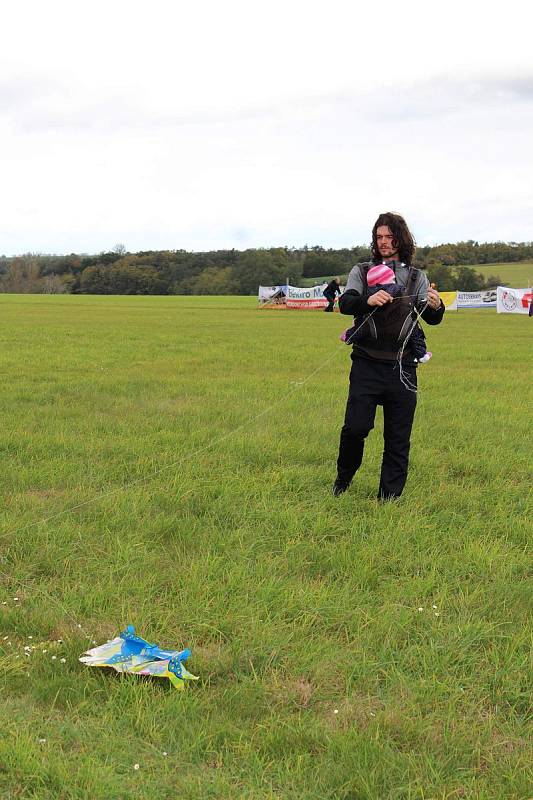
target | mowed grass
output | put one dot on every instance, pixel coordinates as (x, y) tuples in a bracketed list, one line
[(518, 275), (345, 649)]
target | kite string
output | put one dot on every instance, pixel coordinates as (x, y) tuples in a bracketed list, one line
[(188, 457), (212, 443), (406, 382), (145, 479)]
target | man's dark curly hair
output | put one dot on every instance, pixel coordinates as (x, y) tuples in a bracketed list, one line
[(403, 238)]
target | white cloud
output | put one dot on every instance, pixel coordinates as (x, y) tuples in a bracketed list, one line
[(218, 125)]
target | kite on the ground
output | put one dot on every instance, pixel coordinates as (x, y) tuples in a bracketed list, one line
[(129, 653)]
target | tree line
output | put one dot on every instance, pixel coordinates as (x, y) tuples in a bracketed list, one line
[(156, 272)]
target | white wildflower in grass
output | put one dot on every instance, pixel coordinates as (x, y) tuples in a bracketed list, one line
[(41, 741), (420, 608), (136, 766), (63, 660), (433, 606), (335, 710), (165, 753), (54, 658)]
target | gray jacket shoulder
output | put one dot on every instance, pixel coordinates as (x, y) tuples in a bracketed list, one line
[(421, 285), (355, 278)]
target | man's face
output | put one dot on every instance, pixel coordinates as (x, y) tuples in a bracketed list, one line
[(386, 245)]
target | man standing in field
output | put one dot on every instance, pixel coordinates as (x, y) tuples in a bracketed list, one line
[(330, 292), (376, 377)]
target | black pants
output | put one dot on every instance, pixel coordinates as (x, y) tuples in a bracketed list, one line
[(371, 384), (331, 302)]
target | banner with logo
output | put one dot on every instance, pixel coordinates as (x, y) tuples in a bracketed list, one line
[(486, 299), (309, 297), (449, 299), (513, 301)]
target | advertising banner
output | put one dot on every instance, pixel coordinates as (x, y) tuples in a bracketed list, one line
[(449, 299), (513, 301), (485, 299), (308, 297)]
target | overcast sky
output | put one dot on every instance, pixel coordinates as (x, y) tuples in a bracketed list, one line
[(209, 125)]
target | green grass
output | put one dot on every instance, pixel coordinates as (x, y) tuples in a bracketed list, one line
[(518, 275), (215, 529)]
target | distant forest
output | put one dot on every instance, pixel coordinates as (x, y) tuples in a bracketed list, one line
[(234, 271)]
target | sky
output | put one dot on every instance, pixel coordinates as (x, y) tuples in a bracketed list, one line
[(213, 125)]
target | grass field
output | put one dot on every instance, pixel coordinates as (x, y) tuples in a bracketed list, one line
[(517, 275), (345, 649)]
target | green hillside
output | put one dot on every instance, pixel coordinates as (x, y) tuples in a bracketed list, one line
[(518, 274)]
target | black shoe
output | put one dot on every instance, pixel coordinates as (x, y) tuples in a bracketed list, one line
[(339, 487)]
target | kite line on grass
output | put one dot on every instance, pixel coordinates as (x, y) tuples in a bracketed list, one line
[(298, 385), (144, 479)]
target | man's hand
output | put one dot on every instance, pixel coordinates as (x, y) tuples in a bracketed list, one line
[(381, 298), (433, 299)]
